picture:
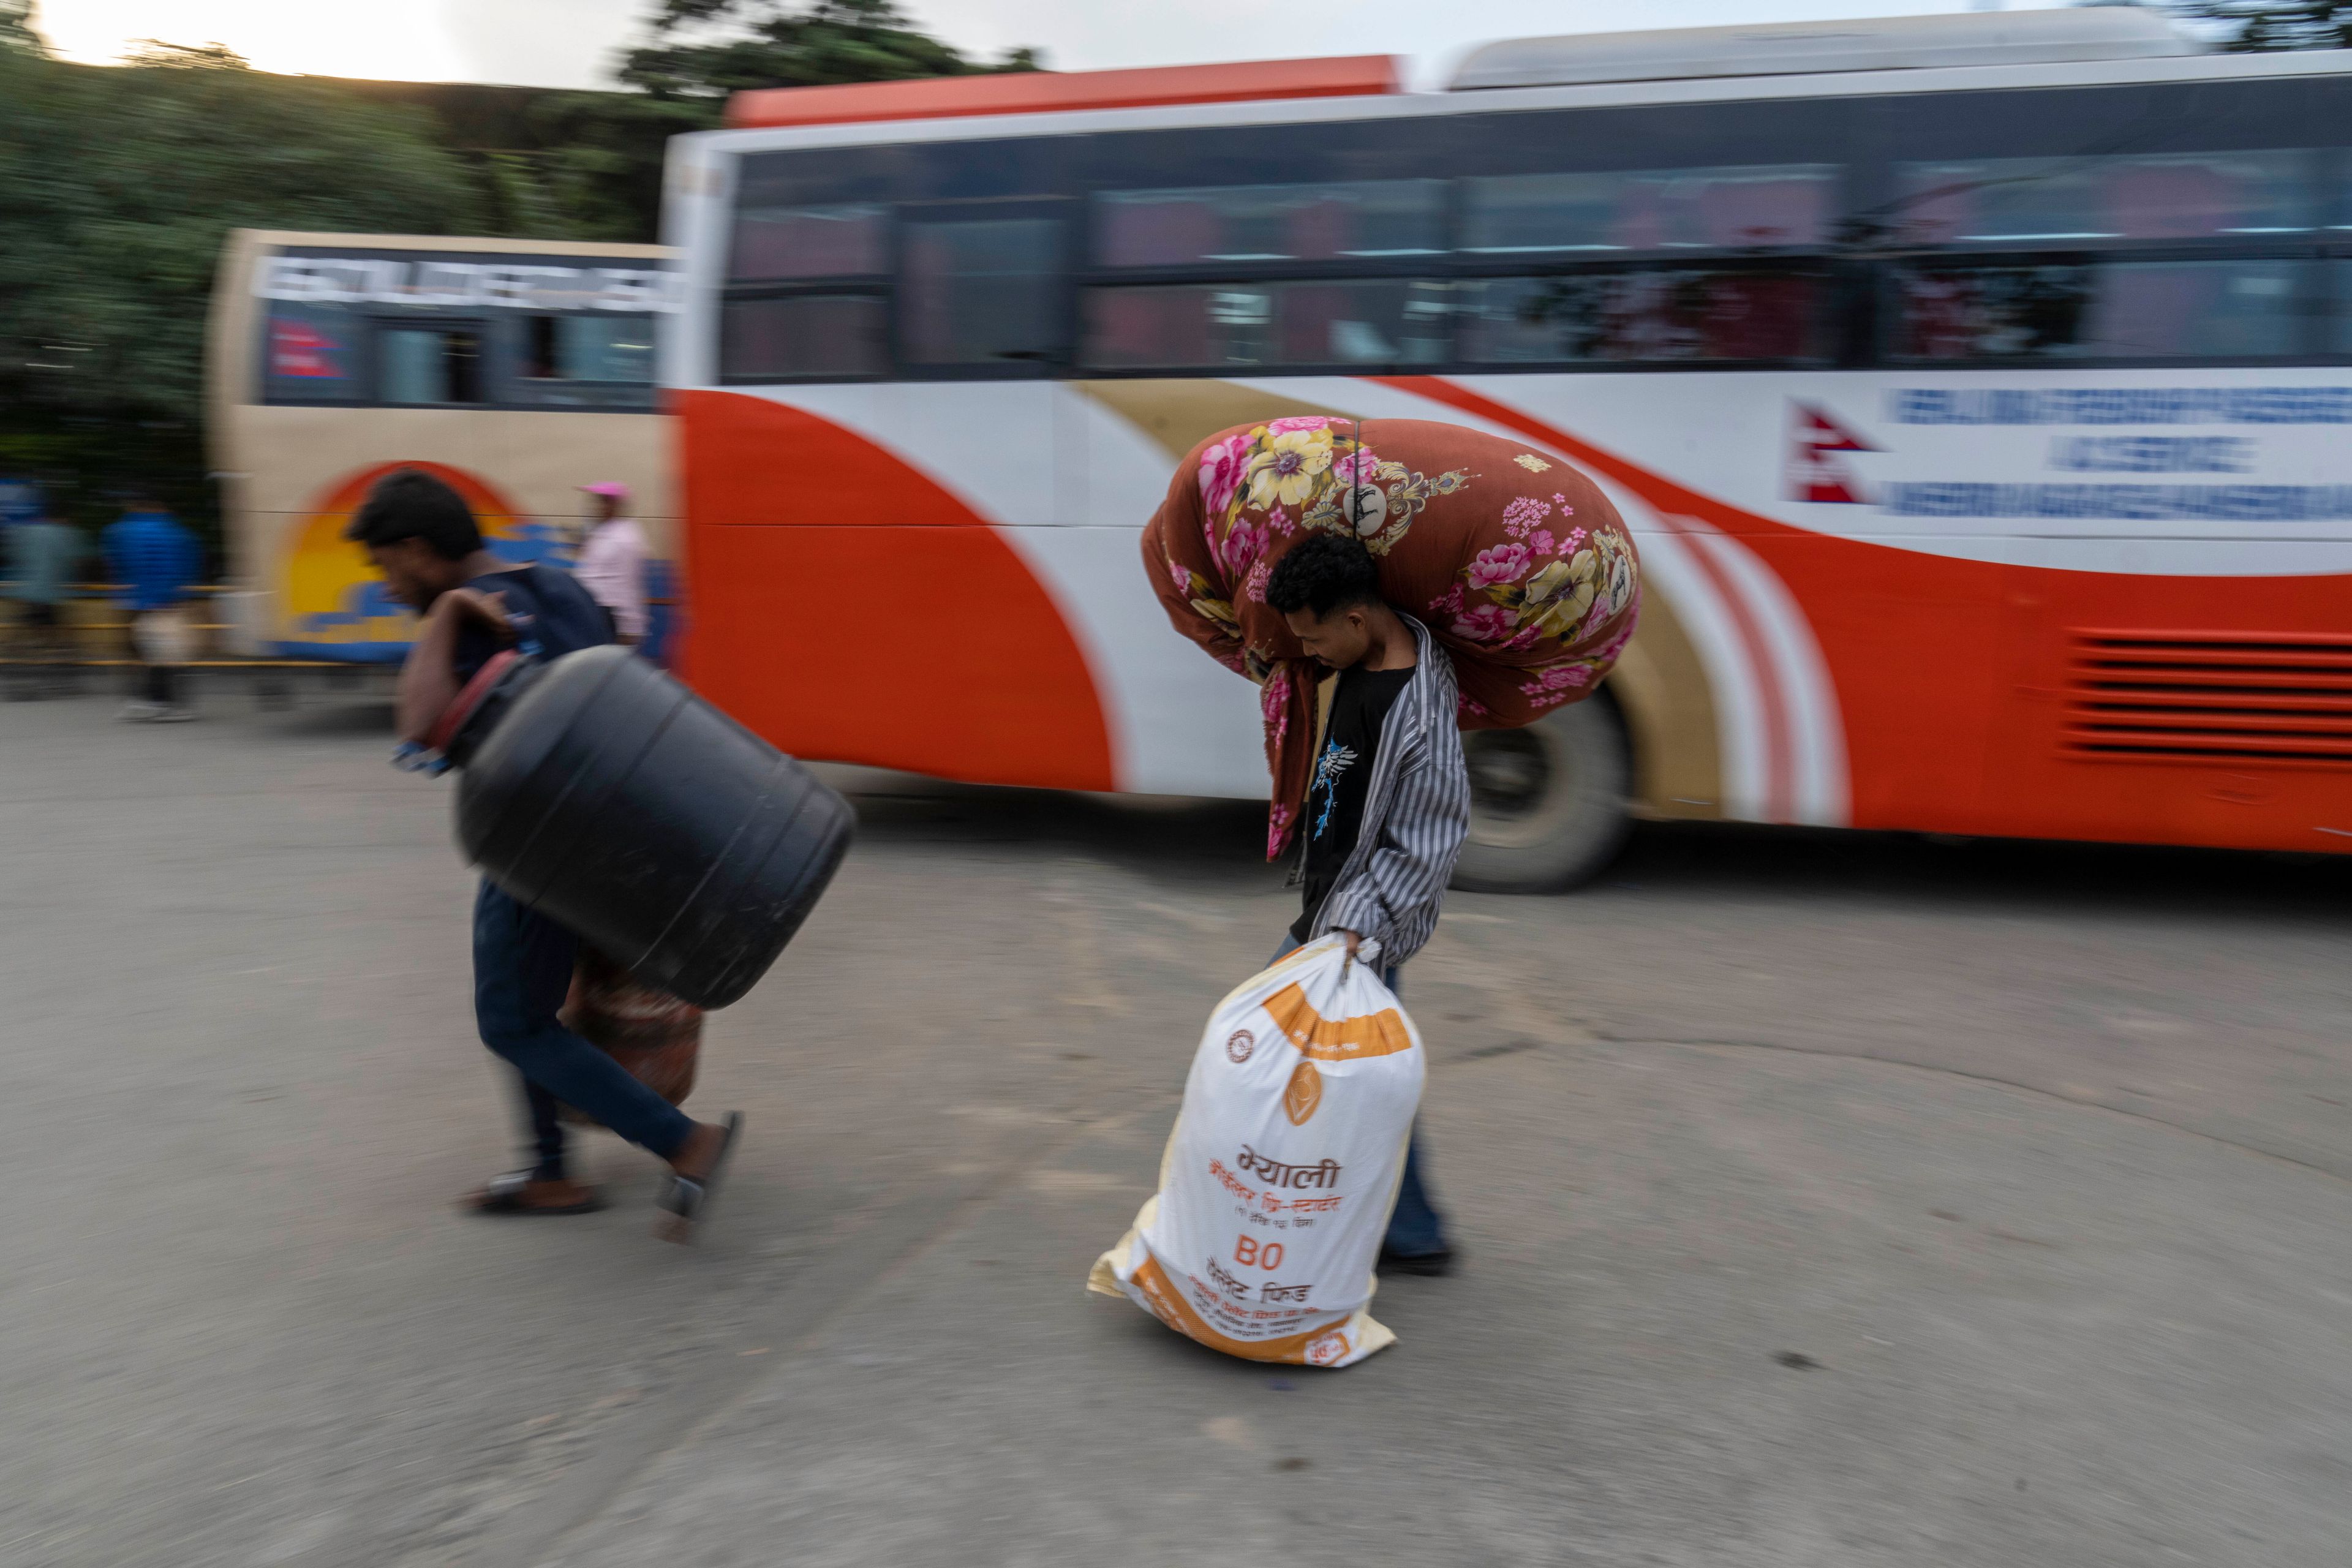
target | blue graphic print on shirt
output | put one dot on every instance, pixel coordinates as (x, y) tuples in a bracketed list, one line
[(1335, 760)]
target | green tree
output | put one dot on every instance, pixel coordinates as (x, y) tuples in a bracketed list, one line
[(16, 27), (2256, 26), (593, 159), (118, 186), (709, 48)]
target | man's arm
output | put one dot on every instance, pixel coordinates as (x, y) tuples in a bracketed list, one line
[(428, 678), (1394, 900)]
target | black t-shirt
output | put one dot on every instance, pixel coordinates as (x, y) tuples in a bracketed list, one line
[(552, 616), (1343, 772)]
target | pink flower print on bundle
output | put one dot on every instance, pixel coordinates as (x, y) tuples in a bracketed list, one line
[(1221, 473), (1616, 645), (1298, 422), (1277, 824), (1542, 542), (1254, 589), (1484, 623), (1273, 706), (1278, 522), (1183, 577), (1497, 564), (1571, 541), (1560, 501), (1448, 603), (1360, 467), (1244, 545), (1559, 678), (1519, 517), (1530, 634), (1462, 704)]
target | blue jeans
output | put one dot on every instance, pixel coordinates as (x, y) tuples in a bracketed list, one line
[(1415, 1227), (522, 970)]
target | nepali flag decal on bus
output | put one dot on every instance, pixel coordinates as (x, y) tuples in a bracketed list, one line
[(1816, 473)]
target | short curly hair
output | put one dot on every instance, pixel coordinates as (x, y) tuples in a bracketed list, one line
[(1325, 573), (409, 503)]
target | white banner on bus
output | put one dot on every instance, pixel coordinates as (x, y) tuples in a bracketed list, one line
[(516, 286)]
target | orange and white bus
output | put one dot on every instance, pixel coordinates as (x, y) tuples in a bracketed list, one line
[(516, 370), (1977, 387)]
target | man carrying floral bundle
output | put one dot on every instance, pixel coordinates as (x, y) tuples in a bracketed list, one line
[(1389, 805), (1309, 542)]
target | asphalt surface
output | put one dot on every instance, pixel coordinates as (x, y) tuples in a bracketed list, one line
[(1826, 1200)]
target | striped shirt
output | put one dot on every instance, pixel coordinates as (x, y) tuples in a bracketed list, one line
[(1415, 817)]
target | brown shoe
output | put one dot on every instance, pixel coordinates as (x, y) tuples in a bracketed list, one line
[(518, 1193)]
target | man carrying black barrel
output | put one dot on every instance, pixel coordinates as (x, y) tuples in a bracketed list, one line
[(420, 535)]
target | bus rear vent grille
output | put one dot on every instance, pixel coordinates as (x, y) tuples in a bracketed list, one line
[(2226, 696)]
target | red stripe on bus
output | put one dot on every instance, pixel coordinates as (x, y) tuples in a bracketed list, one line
[(1780, 743), (1034, 92), (849, 607)]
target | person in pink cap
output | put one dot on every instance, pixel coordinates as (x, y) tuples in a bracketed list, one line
[(611, 564)]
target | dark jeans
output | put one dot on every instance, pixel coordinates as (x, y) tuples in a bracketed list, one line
[(162, 684), (1415, 1227), (522, 969)]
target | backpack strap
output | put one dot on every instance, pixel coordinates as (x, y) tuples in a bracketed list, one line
[(461, 706)]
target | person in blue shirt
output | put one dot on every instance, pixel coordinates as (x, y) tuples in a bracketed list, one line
[(155, 562)]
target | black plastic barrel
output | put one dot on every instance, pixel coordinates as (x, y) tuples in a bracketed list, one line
[(630, 811)]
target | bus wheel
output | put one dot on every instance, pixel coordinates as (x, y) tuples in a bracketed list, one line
[(1548, 804)]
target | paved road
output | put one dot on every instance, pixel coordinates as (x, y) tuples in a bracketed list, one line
[(1828, 1201)]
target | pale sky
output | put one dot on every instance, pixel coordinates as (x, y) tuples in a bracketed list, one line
[(570, 42)]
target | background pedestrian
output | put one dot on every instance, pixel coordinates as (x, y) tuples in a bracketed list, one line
[(155, 562), (613, 561)]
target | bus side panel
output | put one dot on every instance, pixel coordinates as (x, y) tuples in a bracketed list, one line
[(1966, 688), (849, 608), (2111, 669)]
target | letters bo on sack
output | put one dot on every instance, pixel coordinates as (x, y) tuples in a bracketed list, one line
[(1277, 1184)]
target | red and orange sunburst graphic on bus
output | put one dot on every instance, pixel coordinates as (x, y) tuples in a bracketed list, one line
[(330, 604)]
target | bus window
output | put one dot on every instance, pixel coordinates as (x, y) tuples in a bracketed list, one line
[(804, 336), (2027, 201), (588, 360), (1207, 326), (429, 365), (1367, 218), (2077, 308), (1731, 208), (1658, 315), (311, 354), (982, 292), (772, 244)]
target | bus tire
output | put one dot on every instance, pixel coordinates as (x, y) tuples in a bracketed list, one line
[(1550, 804)]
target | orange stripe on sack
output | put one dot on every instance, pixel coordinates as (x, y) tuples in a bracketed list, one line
[(1168, 1304), (1382, 1034)]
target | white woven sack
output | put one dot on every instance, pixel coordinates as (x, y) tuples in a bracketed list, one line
[(1276, 1187)]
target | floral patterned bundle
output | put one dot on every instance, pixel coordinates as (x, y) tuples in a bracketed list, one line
[(1516, 562)]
